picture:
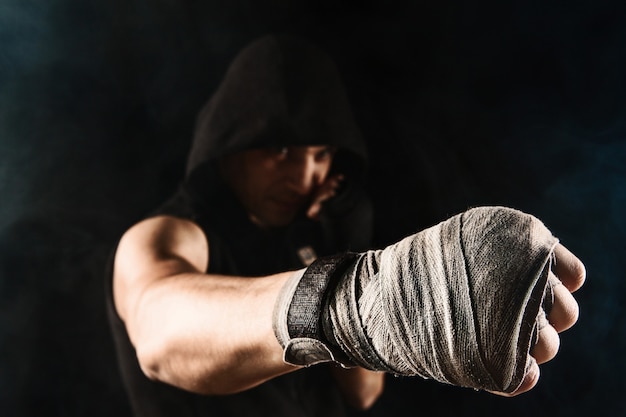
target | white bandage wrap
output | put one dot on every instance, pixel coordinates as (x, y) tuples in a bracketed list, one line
[(458, 302)]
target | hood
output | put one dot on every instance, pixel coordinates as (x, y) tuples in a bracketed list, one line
[(278, 91)]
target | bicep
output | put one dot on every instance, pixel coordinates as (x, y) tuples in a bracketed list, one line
[(154, 249)]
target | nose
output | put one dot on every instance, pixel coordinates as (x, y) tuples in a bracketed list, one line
[(304, 174)]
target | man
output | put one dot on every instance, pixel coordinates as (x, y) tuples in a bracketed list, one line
[(227, 301)]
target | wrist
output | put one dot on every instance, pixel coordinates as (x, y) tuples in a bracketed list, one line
[(298, 312)]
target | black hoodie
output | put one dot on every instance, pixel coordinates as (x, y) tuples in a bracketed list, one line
[(279, 91)]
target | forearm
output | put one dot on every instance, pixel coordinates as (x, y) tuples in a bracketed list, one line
[(208, 334)]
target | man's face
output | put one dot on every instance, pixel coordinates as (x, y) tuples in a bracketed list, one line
[(274, 184)]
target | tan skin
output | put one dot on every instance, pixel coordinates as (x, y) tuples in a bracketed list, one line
[(212, 334), (274, 184), (160, 288)]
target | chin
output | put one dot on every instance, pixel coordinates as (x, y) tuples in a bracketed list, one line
[(280, 223), (277, 221)]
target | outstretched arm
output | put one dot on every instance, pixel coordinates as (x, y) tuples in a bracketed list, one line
[(218, 334), (209, 334)]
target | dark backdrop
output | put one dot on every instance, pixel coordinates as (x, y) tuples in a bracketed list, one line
[(519, 103)]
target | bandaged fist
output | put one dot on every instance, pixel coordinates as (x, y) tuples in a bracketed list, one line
[(565, 277), (462, 302)]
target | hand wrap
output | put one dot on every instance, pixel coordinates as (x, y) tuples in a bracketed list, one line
[(458, 302)]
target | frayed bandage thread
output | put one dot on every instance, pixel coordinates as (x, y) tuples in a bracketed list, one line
[(459, 302)]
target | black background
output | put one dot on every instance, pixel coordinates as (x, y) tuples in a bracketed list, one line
[(519, 103)]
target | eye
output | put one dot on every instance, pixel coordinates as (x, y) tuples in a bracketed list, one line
[(326, 153), (278, 151)]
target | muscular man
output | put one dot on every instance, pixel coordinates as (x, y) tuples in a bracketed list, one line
[(227, 301)]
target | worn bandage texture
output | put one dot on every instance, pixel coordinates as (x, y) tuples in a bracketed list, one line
[(458, 302)]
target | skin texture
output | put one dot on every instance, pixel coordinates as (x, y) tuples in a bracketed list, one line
[(175, 313), (563, 315), (274, 184)]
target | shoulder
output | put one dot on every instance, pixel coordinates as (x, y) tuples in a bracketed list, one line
[(162, 238), (153, 249), (163, 229)]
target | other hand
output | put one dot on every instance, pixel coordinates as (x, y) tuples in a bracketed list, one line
[(324, 192)]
